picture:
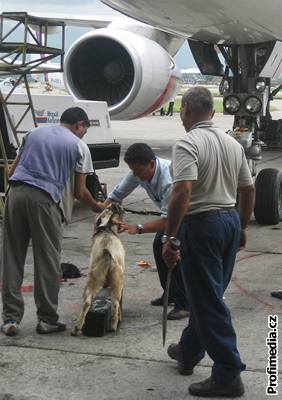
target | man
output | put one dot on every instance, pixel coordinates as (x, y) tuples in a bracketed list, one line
[(208, 168), (170, 108), (37, 178), (153, 174)]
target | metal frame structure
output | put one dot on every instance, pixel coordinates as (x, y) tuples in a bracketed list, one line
[(24, 49)]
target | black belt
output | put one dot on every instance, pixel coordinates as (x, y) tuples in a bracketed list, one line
[(202, 214)]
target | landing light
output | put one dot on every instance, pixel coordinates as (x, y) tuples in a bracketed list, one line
[(231, 104), (253, 105), (224, 86), (260, 85)]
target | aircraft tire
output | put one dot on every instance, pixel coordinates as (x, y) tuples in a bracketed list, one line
[(268, 207)]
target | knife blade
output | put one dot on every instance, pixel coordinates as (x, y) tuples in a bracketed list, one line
[(166, 294)]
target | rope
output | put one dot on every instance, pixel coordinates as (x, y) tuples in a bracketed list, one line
[(143, 212)]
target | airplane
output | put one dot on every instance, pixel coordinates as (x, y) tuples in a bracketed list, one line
[(248, 37), (129, 64), (133, 68)]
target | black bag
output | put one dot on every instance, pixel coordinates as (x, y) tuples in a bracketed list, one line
[(70, 271)]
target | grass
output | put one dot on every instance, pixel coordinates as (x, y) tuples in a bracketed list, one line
[(217, 104), (177, 104)]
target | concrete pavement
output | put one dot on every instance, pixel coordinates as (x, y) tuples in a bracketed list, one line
[(132, 364)]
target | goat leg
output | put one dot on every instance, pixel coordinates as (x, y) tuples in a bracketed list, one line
[(87, 298), (116, 284)]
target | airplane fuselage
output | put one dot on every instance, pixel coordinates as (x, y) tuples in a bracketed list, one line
[(214, 21)]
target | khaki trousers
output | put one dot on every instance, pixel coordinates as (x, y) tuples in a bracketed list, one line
[(30, 213)]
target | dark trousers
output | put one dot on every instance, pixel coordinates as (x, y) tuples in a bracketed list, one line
[(170, 108), (177, 293), (211, 242)]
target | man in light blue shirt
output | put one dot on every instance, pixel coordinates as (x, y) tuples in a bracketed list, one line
[(153, 174)]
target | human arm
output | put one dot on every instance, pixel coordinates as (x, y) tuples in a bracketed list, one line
[(246, 198), (18, 157), (123, 189), (107, 202), (246, 206), (157, 225), (177, 209), (159, 193), (14, 165), (82, 193), (84, 167)]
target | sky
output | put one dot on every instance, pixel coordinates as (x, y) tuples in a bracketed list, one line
[(183, 58)]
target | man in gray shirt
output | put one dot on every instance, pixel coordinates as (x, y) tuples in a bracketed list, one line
[(209, 168)]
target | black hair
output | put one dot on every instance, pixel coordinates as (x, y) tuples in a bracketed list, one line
[(139, 153), (74, 114)]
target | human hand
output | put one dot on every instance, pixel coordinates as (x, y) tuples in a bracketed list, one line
[(243, 239), (101, 204), (170, 255), (97, 207), (131, 229)]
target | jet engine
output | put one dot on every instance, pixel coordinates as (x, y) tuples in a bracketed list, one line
[(132, 73)]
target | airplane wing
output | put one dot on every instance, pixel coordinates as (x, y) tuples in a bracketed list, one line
[(87, 21)]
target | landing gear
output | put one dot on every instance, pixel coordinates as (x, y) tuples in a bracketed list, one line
[(246, 89), (268, 207)]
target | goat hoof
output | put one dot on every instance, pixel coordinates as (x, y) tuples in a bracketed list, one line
[(74, 331), (114, 328)]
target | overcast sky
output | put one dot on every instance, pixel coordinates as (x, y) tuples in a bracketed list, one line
[(184, 59)]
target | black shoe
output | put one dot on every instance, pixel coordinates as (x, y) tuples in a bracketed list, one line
[(46, 327), (175, 353), (173, 350), (178, 314), (208, 388), (158, 302)]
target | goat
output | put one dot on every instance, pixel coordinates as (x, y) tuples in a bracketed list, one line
[(106, 265)]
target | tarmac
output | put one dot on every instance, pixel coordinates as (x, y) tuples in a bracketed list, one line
[(132, 363)]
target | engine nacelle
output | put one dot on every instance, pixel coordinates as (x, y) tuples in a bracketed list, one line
[(133, 74)]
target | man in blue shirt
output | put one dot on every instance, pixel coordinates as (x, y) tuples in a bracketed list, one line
[(153, 174), (38, 176)]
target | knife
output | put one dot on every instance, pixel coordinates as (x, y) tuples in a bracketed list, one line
[(175, 246), (166, 293)]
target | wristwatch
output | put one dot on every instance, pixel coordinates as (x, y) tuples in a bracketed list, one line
[(173, 240), (140, 228)]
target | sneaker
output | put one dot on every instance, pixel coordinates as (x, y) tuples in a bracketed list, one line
[(175, 353), (178, 314), (46, 327), (10, 327), (209, 388)]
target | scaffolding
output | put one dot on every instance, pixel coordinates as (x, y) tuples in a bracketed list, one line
[(25, 49)]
